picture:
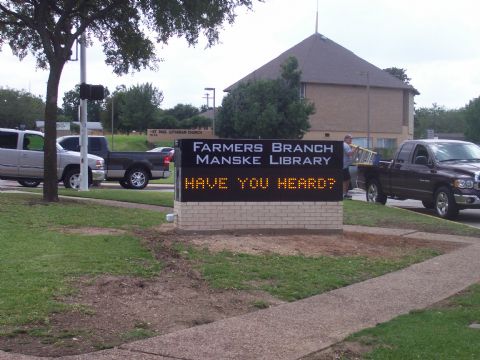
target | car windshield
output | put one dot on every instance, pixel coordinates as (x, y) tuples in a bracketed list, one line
[(456, 152)]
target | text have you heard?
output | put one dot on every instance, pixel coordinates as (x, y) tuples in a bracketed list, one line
[(259, 183), (250, 154)]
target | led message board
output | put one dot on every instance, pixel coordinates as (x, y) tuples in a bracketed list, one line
[(258, 170)]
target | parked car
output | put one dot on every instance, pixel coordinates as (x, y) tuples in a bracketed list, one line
[(443, 174), (21, 159), (132, 169), (166, 150)]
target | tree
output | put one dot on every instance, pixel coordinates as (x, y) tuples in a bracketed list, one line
[(165, 121), (399, 73), (20, 108), (183, 111), (195, 122), (472, 118), (187, 117), (139, 107), (266, 108), (48, 29), (439, 119)]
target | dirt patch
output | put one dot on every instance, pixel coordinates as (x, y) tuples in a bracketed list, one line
[(92, 231), (345, 350), (109, 310)]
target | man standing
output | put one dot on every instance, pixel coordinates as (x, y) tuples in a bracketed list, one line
[(347, 160)]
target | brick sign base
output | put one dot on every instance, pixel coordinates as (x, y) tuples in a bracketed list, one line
[(211, 216)]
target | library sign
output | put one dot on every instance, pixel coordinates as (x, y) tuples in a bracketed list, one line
[(258, 170)]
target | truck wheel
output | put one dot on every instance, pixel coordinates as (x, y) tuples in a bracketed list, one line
[(137, 179), (427, 204), (374, 193), (72, 179), (445, 205), (29, 183), (124, 183)]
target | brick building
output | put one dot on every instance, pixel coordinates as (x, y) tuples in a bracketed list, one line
[(350, 94)]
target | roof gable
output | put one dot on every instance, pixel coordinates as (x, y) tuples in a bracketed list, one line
[(322, 61)]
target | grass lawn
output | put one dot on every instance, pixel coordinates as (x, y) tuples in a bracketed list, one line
[(362, 213), (133, 142), (38, 257), (440, 332), (158, 198), (292, 278)]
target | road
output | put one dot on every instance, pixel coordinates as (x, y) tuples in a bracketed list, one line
[(468, 217)]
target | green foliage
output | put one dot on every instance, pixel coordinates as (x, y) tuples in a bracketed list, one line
[(20, 108), (138, 107), (166, 121), (181, 117), (182, 111), (399, 73), (439, 119), (196, 122), (40, 257), (266, 108), (472, 118), (441, 332)]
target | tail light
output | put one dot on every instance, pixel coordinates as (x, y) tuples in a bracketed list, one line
[(166, 160)]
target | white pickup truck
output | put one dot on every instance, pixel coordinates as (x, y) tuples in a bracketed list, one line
[(21, 159)]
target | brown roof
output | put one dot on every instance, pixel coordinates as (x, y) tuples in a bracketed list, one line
[(323, 61)]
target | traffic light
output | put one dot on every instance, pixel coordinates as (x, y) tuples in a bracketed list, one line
[(92, 92)]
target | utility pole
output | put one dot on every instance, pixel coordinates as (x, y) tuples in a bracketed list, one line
[(213, 122)]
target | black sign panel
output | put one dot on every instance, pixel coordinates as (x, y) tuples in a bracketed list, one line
[(258, 170)]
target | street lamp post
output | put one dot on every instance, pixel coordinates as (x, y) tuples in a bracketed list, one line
[(213, 121)]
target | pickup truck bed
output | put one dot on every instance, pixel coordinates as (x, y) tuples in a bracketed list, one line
[(443, 174)]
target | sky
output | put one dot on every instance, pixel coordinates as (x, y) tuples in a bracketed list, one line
[(437, 42)]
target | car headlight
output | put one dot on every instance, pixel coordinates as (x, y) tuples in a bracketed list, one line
[(99, 164), (463, 183)]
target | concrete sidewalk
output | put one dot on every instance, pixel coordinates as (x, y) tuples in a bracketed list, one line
[(294, 330)]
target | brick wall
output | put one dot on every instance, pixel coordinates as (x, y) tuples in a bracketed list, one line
[(204, 216), (344, 109)]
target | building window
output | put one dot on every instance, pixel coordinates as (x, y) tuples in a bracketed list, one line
[(386, 143), (361, 141), (303, 90)]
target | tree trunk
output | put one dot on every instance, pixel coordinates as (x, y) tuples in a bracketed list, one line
[(50, 181)]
